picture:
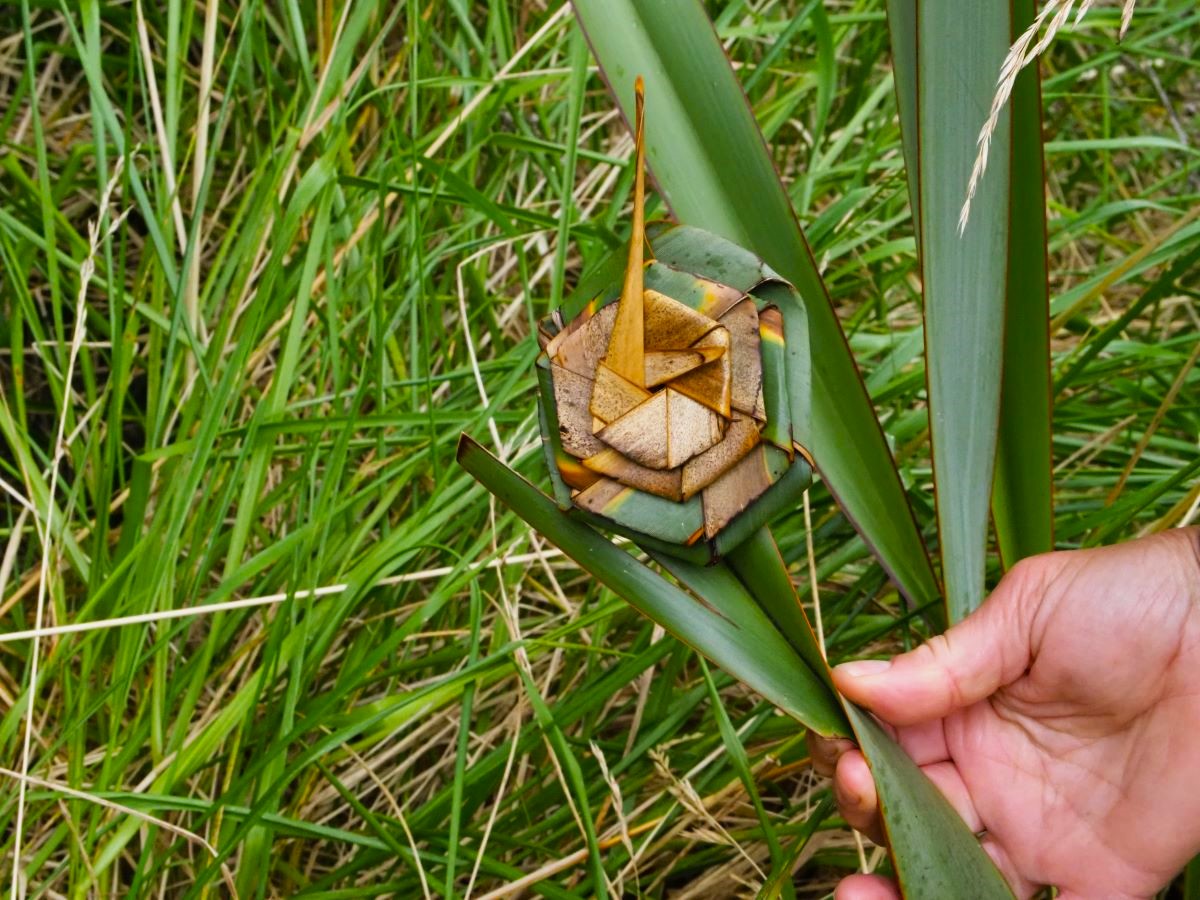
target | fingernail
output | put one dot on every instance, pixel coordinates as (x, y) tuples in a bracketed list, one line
[(864, 668)]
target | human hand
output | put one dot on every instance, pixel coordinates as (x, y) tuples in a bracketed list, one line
[(1062, 718)]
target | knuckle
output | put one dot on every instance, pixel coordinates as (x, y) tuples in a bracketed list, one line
[(942, 655), (1031, 573)]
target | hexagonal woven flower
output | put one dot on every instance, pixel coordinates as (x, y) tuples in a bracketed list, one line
[(670, 402), (682, 455)]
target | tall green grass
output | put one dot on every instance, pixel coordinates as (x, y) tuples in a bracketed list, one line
[(328, 269)]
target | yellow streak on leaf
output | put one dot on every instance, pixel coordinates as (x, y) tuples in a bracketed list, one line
[(626, 346)]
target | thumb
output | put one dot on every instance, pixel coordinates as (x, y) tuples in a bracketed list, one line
[(986, 651)]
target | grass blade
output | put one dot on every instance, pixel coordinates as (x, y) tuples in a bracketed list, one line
[(779, 884), (741, 764)]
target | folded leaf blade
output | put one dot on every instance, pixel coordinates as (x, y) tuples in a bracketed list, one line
[(728, 627)]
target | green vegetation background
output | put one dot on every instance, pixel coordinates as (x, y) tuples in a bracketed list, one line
[(340, 223)]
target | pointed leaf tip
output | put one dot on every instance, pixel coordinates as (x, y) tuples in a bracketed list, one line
[(626, 345)]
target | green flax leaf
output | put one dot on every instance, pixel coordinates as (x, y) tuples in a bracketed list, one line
[(934, 854), (988, 343), (709, 160), (963, 275), (1022, 494), (726, 626)]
